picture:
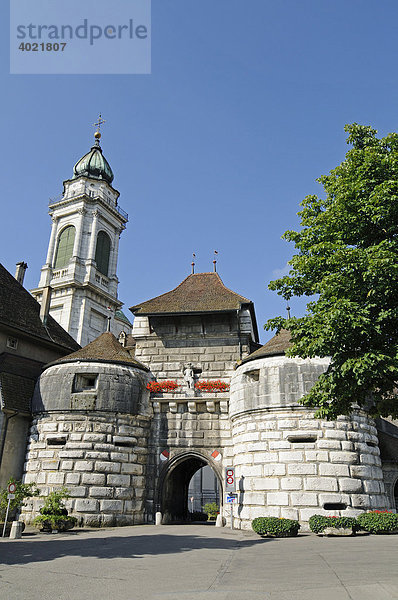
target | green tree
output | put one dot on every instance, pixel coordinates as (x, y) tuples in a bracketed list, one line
[(347, 253), (23, 491)]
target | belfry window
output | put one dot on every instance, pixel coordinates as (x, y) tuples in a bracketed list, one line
[(65, 247), (102, 252)]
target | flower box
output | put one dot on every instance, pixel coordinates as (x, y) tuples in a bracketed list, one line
[(212, 386), (162, 386)]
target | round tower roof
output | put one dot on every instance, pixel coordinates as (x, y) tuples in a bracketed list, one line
[(276, 346), (94, 165), (105, 349)]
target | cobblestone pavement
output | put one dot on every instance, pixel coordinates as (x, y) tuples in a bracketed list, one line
[(196, 562)]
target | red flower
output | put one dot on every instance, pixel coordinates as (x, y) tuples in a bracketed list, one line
[(212, 386), (162, 386)]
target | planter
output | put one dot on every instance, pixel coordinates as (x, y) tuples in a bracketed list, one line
[(337, 531), (61, 525), (283, 534)]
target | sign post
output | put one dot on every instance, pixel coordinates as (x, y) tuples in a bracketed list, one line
[(11, 495), (230, 488)]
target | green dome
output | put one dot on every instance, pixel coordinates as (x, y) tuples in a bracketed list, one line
[(93, 165)]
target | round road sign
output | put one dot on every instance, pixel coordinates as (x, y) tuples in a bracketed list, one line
[(12, 488)]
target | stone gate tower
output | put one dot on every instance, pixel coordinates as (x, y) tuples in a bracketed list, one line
[(78, 280)]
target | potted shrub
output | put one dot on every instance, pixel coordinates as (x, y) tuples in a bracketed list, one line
[(23, 491), (275, 527), (53, 515), (212, 510), (378, 521), (333, 526)]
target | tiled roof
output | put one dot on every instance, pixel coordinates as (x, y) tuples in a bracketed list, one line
[(198, 293), (276, 346), (104, 348), (19, 310), (16, 392)]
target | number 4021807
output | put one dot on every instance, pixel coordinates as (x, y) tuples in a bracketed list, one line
[(42, 46)]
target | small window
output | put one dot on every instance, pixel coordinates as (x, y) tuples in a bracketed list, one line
[(56, 440), (334, 506), (302, 439), (85, 383), (102, 252), (253, 375), (64, 252), (12, 343)]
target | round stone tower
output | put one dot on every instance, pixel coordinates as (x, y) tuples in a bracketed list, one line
[(89, 433), (288, 463)]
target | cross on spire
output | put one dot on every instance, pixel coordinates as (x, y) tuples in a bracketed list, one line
[(99, 122)]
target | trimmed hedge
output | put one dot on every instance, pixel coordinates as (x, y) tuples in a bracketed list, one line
[(378, 521), (275, 526), (318, 523)]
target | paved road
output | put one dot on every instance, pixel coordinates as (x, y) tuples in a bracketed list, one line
[(196, 562)]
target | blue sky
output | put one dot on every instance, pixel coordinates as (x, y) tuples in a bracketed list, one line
[(244, 109)]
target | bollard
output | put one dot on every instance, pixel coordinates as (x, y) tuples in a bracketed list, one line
[(16, 530), (158, 518), (220, 521)]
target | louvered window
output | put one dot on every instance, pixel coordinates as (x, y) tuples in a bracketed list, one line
[(102, 252), (65, 247)]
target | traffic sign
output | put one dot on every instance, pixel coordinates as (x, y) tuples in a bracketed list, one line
[(10, 496), (230, 479), (231, 498), (12, 488)]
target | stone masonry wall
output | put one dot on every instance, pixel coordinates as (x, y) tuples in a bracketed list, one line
[(282, 475), (189, 421), (181, 428), (101, 459), (290, 464), (210, 343)]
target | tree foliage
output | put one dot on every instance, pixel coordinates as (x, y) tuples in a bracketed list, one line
[(347, 258), (23, 491)]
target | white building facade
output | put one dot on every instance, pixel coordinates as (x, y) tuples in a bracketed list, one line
[(79, 277)]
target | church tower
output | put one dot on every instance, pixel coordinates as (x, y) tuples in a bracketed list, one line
[(78, 280)]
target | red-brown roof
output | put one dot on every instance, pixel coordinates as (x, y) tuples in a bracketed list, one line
[(276, 346), (198, 293), (104, 348), (19, 310)]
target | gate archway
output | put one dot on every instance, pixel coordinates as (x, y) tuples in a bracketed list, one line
[(174, 483)]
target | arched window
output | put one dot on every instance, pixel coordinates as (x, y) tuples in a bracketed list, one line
[(65, 247), (102, 252)]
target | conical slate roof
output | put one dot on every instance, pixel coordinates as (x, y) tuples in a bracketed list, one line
[(198, 293), (104, 348), (93, 165), (276, 346)]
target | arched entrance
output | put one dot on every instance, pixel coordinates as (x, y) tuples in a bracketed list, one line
[(174, 484)]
